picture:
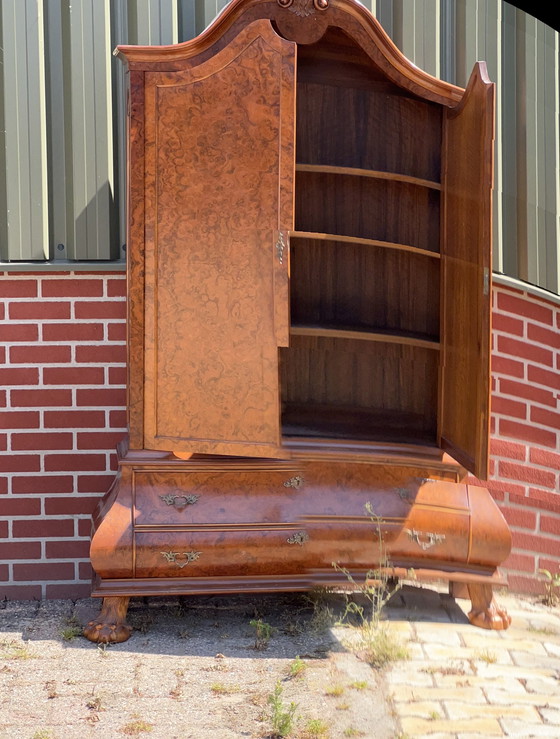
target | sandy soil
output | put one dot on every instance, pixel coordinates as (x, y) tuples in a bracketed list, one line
[(191, 670)]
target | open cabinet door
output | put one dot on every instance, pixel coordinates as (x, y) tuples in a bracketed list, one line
[(219, 170), (466, 275)]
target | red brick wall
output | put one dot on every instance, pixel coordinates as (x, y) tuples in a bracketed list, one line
[(525, 442), (62, 400), (63, 375)]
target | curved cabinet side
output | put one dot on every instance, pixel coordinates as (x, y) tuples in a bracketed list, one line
[(111, 549), (490, 535)]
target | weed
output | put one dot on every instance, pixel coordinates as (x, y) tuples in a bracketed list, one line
[(342, 706), (223, 689), (323, 616), (297, 667), (359, 685), (380, 647), (544, 630), (282, 717), (335, 691), (134, 728), (43, 734), (102, 649), (315, 727), (177, 691), (351, 731), (432, 670), (433, 716), (14, 650), (50, 687), (375, 644), (486, 656), (141, 621), (95, 703), (293, 628), (552, 584), (263, 633), (69, 633)]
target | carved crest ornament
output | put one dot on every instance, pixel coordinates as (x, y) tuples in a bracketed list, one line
[(303, 8)]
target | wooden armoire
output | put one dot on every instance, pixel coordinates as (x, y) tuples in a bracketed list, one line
[(309, 238)]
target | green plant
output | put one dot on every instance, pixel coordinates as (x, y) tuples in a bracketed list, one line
[(223, 689), (376, 644), (378, 586), (134, 728), (95, 703), (263, 632), (69, 633), (552, 583), (43, 734), (433, 716), (335, 691), (297, 667), (323, 615), (544, 630), (486, 656), (359, 685), (14, 650), (351, 731), (315, 727), (282, 717)]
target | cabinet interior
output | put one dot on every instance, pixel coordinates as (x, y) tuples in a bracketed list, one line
[(363, 360)]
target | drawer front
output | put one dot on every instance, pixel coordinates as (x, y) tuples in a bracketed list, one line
[(342, 489), (218, 497), (431, 535), (206, 553)]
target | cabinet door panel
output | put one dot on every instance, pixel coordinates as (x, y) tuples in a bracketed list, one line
[(466, 260), (219, 183)]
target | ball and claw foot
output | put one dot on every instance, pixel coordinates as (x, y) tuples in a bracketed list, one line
[(110, 626), (486, 613)]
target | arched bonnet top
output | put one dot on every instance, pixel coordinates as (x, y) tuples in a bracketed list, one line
[(304, 22)]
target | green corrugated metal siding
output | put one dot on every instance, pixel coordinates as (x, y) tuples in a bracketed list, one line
[(62, 116)]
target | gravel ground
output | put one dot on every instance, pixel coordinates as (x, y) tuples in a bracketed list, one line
[(191, 670)]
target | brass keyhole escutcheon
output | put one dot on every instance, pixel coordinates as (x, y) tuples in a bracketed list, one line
[(300, 537), (173, 558), (294, 482), (425, 539), (179, 500)]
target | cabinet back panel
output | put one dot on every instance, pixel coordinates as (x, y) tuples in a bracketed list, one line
[(368, 129), (367, 287), (369, 390), (368, 208)]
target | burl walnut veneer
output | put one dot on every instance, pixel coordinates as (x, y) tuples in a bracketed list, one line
[(308, 309)]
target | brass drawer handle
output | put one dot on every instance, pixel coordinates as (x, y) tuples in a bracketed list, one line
[(294, 482), (179, 501), (430, 539), (300, 537), (171, 557)]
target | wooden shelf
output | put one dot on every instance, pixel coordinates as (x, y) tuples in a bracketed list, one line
[(388, 337), (318, 236), (345, 422), (374, 174)]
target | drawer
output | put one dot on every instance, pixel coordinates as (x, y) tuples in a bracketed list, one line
[(432, 535), (342, 489), (217, 497), (426, 523), (223, 553)]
